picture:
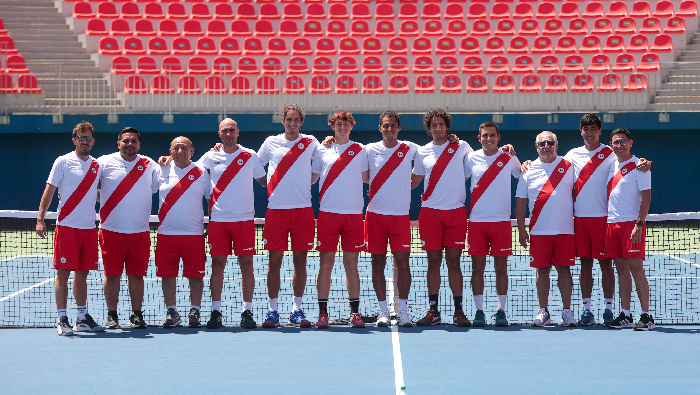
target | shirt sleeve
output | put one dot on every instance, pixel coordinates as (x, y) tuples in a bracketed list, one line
[(644, 181), (207, 184), (467, 165), (258, 169), (467, 148), (263, 152), (418, 168), (365, 160), (521, 191), (203, 161), (515, 167), (56, 174), (155, 185), (317, 162)]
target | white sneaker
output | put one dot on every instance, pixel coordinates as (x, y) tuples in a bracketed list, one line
[(567, 318), (63, 328), (384, 318), (404, 320), (542, 318)]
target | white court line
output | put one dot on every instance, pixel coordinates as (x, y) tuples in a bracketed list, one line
[(398, 364), (12, 295), (682, 260)]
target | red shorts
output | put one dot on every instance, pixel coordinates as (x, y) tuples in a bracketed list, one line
[(75, 249), (222, 235), (122, 250), (590, 237), (618, 244), (548, 250), (490, 238), (442, 228), (169, 250), (380, 229), (280, 223), (331, 226)]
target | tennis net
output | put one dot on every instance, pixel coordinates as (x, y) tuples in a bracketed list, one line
[(27, 279)]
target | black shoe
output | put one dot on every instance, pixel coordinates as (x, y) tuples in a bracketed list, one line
[(172, 319), (247, 320), (215, 320), (112, 320), (645, 323), (136, 320), (193, 317), (622, 321)]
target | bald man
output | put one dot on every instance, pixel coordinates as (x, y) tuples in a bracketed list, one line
[(181, 187)]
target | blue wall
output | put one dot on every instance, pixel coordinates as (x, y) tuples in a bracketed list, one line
[(32, 143)]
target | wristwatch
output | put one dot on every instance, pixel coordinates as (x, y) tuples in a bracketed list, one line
[(640, 223)]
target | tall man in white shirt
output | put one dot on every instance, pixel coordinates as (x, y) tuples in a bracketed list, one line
[(490, 231), (289, 209), (75, 175), (127, 183), (443, 218), (342, 169), (629, 195), (547, 186), (182, 187)]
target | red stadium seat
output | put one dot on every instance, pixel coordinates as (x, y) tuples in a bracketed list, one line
[(649, 62), (153, 11), (345, 84), (134, 85), (472, 65), (599, 64), (336, 28), (360, 29), (312, 29), (445, 46), (240, 85), (590, 44), (315, 11), (523, 64), (322, 65), (320, 85), (240, 29), (594, 9), (397, 46), (130, 11), (277, 46), (108, 46), (297, 65), (292, 11), (640, 9), (121, 65), (614, 44), (675, 25), (476, 11), (168, 28), (494, 45), (271, 65), (214, 85), (372, 46), (371, 84), (610, 83), (602, 26), (432, 11), (384, 29), (223, 11), (197, 65), (498, 65), (582, 83), (530, 83), (617, 9), (548, 64), (504, 84), (529, 27), (181, 46), (338, 11), (200, 11), (83, 10), (624, 63), (432, 28), (288, 29), (293, 85), (360, 12), (348, 46), (626, 26), (469, 46), (408, 11), (456, 28), (523, 11), (398, 84), (637, 82), (188, 85), (301, 47), (229, 46), (556, 83), (144, 28), (107, 10), (16, 65), (384, 11), (120, 27), (565, 45), (347, 65), (481, 27), (423, 65), (216, 28), (518, 45), (425, 84), (553, 27), (325, 46), (253, 46), (662, 43), (448, 65), (477, 84), (176, 11), (171, 66), (157, 46), (542, 45), (688, 8), (569, 10), (160, 85), (500, 11), (421, 46), (577, 27), (546, 11), (222, 66), (453, 11), (650, 26), (247, 65), (263, 28), (451, 84), (409, 29), (573, 64), (372, 65), (397, 65), (246, 11), (506, 27), (269, 11), (663, 9)]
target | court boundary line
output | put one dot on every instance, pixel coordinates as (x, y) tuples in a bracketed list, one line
[(683, 260), (12, 295)]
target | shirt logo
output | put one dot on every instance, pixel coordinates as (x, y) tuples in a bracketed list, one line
[(318, 243), (561, 170), (499, 164), (240, 162), (450, 150), (601, 156), (400, 154), (624, 171), (532, 259), (209, 244), (351, 153), (301, 145), (140, 168), (94, 170), (63, 260), (264, 241), (191, 177)]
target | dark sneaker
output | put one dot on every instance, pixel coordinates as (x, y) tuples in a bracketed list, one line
[(112, 320), (247, 320), (645, 323), (622, 321), (63, 328), (587, 318), (432, 317), (479, 319), (172, 319), (608, 317), (193, 318), (136, 320), (87, 325), (501, 320), (215, 320), (460, 319)]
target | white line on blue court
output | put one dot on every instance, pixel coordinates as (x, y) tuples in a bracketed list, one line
[(12, 295), (395, 344), (683, 260)]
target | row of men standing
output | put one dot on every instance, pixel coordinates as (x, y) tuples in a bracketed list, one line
[(224, 177)]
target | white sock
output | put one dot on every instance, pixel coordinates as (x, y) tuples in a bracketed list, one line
[(61, 313), (587, 303), (609, 304), (273, 304), (502, 300), (403, 304), (645, 312), (82, 310), (195, 307), (567, 309), (247, 306), (383, 306), (171, 307), (297, 303), (627, 312), (216, 305), (479, 302)]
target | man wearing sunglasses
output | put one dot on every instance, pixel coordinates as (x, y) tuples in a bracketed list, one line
[(75, 175), (547, 185), (629, 195)]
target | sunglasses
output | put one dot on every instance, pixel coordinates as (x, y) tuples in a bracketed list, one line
[(88, 139), (620, 142), (543, 143)]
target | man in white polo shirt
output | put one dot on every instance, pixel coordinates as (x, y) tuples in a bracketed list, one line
[(443, 218), (547, 186), (182, 187), (289, 209), (629, 195), (342, 168), (490, 231), (127, 183), (75, 175)]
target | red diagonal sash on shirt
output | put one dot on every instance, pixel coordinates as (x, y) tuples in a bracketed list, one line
[(286, 163), (548, 188), (487, 178), (77, 196), (123, 188), (177, 191), (388, 169), (340, 164), (626, 169), (233, 168), (590, 167), (440, 165)]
